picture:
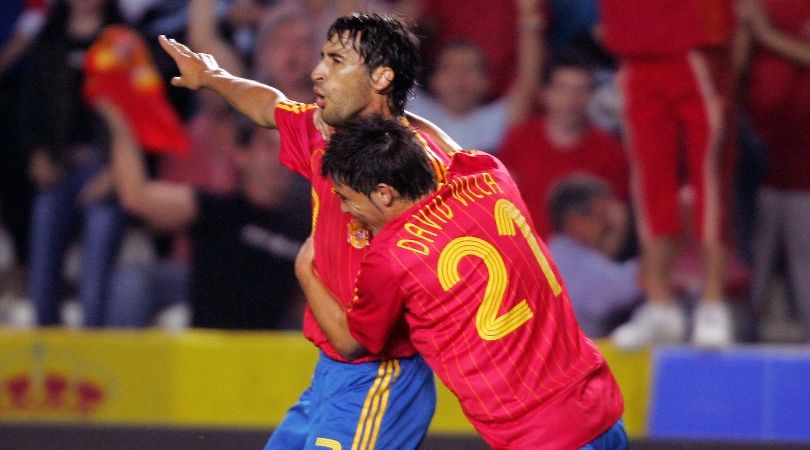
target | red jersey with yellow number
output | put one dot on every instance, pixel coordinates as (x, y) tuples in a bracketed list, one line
[(340, 241), (487, 309)]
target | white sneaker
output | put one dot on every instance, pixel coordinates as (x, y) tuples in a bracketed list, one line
[(652, 323), (713, 326)]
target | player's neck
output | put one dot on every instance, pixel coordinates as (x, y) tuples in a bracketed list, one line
[(379, 104)]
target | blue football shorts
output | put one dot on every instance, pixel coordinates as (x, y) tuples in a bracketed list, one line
[(382, 404), (615, 438)]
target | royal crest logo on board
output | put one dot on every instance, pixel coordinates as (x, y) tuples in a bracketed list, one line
[(48, 383), (359, 235)]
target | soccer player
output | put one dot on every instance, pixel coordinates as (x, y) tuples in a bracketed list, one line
[(368, 65), (461, 270)]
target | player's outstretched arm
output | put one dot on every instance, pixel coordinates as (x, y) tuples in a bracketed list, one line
[(328, 312), (164, 206), (255, 100)]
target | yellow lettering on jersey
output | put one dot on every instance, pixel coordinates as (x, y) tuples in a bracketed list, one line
[(441, 209), (507, 215), (328, 443), (414, 246), (481, 189), (489, 323), (469, 191), (491, 182), (472, 188), (454, 191), (419, 232), (422, 217)]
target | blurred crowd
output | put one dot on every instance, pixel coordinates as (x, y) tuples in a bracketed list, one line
[(662, 149)]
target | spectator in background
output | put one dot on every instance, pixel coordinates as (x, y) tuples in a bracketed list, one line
[(20, 22), (777, 98), (602, 290), (322, 13), (243, 244), (286, 51), (67, 163), (560, 141), (460, 82), (671, 97), (488, 25)]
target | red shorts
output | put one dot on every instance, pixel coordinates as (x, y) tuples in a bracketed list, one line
[(672, 104)]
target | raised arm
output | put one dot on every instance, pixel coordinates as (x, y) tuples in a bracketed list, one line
[(531, 25), (164, 206), (754, 15), (203, 35), (255, 100), (329, 314)]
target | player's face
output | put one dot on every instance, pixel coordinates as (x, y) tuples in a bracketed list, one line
[(361, 206), (343, 87)]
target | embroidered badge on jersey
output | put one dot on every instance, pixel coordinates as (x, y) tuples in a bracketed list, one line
[(359, 235)]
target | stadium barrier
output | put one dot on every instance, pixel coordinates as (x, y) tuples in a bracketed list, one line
[(119, 383)]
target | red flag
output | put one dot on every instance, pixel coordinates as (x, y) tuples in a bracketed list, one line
[(119, 68)]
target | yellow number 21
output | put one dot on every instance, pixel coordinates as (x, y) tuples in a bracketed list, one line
[(490, 325)]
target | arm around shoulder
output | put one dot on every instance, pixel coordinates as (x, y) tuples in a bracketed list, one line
[(328, 312)]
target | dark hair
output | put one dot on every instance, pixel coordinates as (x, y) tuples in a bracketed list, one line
[(466, 44), (575, 194), (567, 59), (369, 151), (383, 41)]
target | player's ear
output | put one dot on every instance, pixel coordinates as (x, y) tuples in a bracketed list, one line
[(386, 194), (381, 78)]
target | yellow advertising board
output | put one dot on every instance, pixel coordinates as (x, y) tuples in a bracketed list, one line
[(206, 378)]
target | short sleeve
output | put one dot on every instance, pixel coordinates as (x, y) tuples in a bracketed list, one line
[(296, 127), (378, 304)]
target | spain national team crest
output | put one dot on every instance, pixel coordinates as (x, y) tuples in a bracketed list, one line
[(359, 235)]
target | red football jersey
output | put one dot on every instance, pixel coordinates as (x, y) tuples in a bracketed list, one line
[(487, 309), (340, 240), (653, 27), (537, 164)]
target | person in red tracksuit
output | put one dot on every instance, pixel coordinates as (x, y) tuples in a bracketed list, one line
[(674, 116)]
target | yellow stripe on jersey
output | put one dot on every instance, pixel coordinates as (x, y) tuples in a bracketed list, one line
[(439, 167), (328, 443), (316, 207), (368, 427), (294, 107)]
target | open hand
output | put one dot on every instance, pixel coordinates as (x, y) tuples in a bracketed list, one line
[(193, 66)]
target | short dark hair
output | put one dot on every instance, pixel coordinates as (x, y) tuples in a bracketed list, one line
[(575, 194), (383, 41), (567, 59), (373, 150)]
